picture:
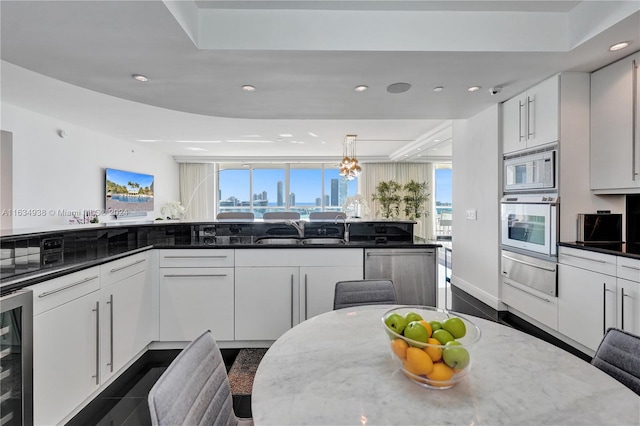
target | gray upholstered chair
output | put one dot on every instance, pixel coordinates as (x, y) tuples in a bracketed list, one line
[(363, 292), (194, 389), (326, 216), (619, 356), (279, 216), (235, 217)]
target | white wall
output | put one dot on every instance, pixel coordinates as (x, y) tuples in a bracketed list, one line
[(51, 173), (476, 186), (575, 195)]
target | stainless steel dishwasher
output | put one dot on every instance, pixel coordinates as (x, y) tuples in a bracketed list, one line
[(414, 272)]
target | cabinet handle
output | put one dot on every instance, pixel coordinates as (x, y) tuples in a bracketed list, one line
[(531, 294), (127, 266), (520, 135), (195, 257), (403, 253), (49, 293), (110, 303), (97, 311), (604, 307), (291, 300), (634, 112), (584, 258), (527, 263), (193, 275), (622, 309), (635, 268), (306, 298), (530, 133)]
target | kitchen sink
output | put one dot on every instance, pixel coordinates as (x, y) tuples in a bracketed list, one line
[(280, 241), (323, 241)]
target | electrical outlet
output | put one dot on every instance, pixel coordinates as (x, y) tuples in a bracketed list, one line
[(472, 214)]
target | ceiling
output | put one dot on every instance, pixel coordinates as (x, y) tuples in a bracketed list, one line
[(74, 60)]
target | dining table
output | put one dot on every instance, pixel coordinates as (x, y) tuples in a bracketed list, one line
[(336, 369)]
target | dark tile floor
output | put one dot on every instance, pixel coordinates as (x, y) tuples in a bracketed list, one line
[(124, 403)]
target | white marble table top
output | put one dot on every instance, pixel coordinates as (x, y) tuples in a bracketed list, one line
[(336, 369)]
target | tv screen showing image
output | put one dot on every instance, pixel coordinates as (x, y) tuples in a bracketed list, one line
[(128, 192)]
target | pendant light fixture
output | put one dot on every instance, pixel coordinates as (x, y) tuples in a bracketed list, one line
[(349, 167)]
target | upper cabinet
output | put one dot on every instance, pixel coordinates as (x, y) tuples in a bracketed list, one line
[(531, 118), (615, 141)]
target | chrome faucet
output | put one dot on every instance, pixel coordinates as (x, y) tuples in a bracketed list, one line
[(298, 225), (346, 226)]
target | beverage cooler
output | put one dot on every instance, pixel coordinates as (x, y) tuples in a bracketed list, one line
[(16, 358)]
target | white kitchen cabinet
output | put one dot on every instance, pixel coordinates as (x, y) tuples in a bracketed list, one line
[(587, 291), (277, 289), (615, 137), (265, 301), (193, 300), (628, 294), (531, 302), (127, 322), (531, 119), (196, 293), (66, 357), (318, 287)]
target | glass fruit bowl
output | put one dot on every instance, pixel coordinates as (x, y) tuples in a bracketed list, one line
[(433, 347)]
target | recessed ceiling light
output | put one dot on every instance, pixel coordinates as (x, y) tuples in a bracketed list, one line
[(619, 46), (249, 136), (149, 140), (183, 141), (361, 88), (398, 87), (436, 140), (474, 88), (419, 149), (322, 142), (140, 77), (248, 141), (438, 89), (313, 134), (248, 88), (285, 135), (434, 149), (190, 148)]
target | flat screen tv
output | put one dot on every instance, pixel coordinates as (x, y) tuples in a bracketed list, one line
[(128, 192)]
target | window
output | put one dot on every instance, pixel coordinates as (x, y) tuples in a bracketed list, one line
[(302, 188), (443, 197), (234, 189)]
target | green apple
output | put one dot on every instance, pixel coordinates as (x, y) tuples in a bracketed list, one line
[(455, 356), (442, 336), (396, 322), (416, 331), (412, 316), (455, 326), (435, 325)]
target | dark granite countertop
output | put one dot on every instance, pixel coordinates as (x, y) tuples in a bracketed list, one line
[(615, 249)]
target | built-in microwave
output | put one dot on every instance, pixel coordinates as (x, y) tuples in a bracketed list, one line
[(530, 172), (530, 224)]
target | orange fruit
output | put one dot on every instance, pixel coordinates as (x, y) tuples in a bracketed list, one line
[(440, 372), (418, 362), (399, 347), (427, 326), (434, 352)]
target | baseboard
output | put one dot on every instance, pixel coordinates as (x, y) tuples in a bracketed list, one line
[(488, 299)]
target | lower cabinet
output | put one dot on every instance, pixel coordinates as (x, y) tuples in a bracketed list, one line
[(628, 295), (277, 289), (265, 302), (318, 285), (66, 345), (193, 300), (587, 304)]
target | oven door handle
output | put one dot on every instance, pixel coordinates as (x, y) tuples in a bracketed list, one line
[(528, 263)]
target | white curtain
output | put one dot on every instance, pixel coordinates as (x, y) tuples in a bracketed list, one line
[(373, 173), (197, 190)]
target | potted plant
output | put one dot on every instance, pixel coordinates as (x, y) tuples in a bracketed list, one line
[(415, 197), (389, 198)]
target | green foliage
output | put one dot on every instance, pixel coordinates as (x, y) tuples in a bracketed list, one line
[(414, 199), (391, 194), (389, 198)]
